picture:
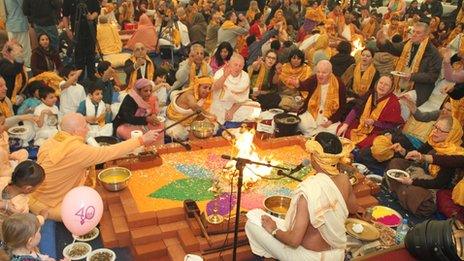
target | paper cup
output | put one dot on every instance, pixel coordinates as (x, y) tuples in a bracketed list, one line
[(137, 134)]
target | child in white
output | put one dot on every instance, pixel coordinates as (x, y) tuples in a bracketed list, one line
[(97, 114), (47, 124), (72, 93)]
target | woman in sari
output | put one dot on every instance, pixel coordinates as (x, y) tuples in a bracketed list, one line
[(138, 111), (381, 111), (222, 55), (263, 81), (257, 26), (361, 77), (44, 58)]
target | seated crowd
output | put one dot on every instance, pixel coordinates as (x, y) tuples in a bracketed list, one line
[(392, 84)]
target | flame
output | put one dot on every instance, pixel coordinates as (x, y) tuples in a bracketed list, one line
[(246, 149), (357, 47)]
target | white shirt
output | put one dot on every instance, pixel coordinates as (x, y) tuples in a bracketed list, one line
[(46, 123), (71, 97), (236, 89), (184, 33)]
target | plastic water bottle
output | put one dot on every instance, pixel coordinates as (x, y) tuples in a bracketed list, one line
[(401, 231)]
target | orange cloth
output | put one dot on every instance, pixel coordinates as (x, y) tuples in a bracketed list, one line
[(150, 72), (368, 28), (6, 108), (362, 83), (261, 75), (359, 134), (451, 146), (404, 59), (457, 109), (381, 148), (315, 14), (288, 72), (108, 38), (145, 33), (322, 43), (331, 101), (20, 83), (65, 159)]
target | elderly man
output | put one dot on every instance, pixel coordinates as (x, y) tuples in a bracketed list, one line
[(65, 158), (325, 103), (420, 65), (195, 65), (231, 90), (6, 108), (314, 227), (181, 25), (138, 66)]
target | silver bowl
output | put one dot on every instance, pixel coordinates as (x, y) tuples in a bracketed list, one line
[(202, 129), (115, 178), (277, 205)]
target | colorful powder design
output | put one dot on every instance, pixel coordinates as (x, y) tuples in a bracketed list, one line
[(386, 216)]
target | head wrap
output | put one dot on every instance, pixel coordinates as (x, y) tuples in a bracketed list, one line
[(197, 81), (140, 83), (381, 150), (328, 161)]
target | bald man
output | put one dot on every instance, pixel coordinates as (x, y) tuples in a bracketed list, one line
[(66, 158), (325, 103), (138, 66), (231, 90)]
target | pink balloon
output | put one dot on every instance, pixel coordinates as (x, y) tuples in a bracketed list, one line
[(81, 210)]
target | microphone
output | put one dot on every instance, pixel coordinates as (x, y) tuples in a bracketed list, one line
[(304, 163)]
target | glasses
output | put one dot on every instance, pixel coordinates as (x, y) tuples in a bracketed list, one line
[(435, 127)]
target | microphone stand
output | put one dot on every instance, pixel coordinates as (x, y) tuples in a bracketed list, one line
[(240, 165), (281, 173)]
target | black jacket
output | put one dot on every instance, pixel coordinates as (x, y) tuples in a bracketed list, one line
[(42, 12)]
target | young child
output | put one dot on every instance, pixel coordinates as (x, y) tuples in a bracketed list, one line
[(96, 112), (8, 160), (72, 93), (161, 89), (26, 177), (47, 113), (21, 236), (33, 100)]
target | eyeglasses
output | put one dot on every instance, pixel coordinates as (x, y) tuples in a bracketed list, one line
[(435, 127)]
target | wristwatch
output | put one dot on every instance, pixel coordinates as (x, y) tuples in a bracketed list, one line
[(274, 232)]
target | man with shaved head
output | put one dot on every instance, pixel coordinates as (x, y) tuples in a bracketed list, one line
[(231, 90), (138, 66), (66, 158), (325, 103)]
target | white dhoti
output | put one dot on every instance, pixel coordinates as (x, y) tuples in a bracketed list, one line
[(327, 213), (311, 127), (249, 110), (173, 114)]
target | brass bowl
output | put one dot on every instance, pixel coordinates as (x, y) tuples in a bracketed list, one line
[(202, 129), (115, 178), (277, 205)]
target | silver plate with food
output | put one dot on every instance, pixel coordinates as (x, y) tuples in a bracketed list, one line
[(397, 174)]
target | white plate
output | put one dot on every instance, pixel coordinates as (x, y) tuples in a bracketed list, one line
[(102, 250), (398, 73), (375, 178), (391, 171), (276, 111), (95, 230), (69, 247), (361, 167)]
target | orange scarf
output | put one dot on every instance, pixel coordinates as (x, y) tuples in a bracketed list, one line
[(331, 101), (193, 71), (362, 83), (228, 25), (301, 73), (260, 79), (451, 146), (5, 108), (453, 35), (316, 15), (404, 60), (150, 72), (368, 28), (457, 110), (460, 16), (18, 88), (359, 134), (322, 43)]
